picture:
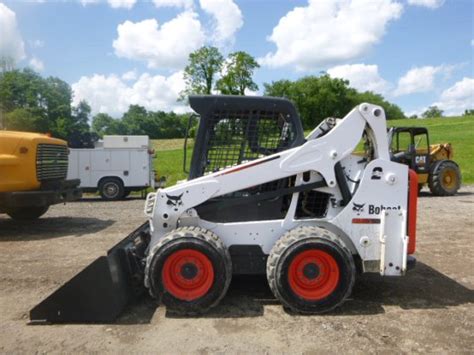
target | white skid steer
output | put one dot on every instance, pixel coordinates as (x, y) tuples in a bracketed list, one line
[(310, 213)]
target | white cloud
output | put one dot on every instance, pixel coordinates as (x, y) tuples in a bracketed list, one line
[(458, 97), (11, 43), (115, 4), (165, 46), (130, 75), (227, 19), (126, 4), (420, 79), (329, 32), (472, 42), (362, 77), (431, 4), (186, 4), (89, 2), (110, 94), (36, 64)]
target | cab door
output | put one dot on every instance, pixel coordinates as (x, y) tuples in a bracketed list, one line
[(421, 152)]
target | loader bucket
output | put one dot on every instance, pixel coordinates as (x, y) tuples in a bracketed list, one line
[(100, 292)]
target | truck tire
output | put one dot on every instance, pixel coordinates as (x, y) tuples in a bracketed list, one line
[(27, 213), (444, 178), (189, 270), (310, 270), (111, 189)]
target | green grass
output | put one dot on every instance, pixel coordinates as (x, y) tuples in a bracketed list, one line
[(459, 131), (169, 163)]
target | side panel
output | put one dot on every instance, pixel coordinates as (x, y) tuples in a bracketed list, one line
[(100, 160), (84, 169), (139, 168)]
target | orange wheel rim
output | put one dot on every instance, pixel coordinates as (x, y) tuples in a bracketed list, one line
[(313, 275), (449, 178), (188, 274)]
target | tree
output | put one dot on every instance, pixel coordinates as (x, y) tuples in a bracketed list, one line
[(238, 71), (468, 112), (20, 119), (318, 97), (79, 135), (433, 111), (200, 73), (30, 102), (315, 97), (280, 88), (103, 124)]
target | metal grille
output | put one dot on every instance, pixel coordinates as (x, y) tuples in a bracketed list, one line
[(312, 204), (51, 162), (238, 137)]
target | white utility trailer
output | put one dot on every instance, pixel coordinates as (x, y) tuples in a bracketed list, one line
[(116, 166)]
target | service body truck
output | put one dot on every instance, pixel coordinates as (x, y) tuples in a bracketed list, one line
[(116, 166)]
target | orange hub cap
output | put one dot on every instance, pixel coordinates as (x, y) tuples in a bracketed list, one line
[(313, 275), (187, 274)]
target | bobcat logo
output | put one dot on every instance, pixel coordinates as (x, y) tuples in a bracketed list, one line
[(174, 201), (358, 208)]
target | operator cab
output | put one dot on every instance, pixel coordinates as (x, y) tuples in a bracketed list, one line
[(410, 146)]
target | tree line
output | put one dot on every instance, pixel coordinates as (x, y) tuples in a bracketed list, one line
[(29, 102)]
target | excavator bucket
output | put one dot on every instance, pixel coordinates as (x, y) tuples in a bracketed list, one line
[(100, 292)]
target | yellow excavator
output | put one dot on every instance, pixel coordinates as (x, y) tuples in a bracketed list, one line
[(432, 163), (33, 169)]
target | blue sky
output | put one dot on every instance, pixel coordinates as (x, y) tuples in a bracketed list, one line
[(415, 52)]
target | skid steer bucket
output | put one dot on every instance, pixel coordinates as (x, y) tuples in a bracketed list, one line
[(100, 292)]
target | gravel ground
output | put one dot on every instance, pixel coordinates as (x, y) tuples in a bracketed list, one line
[(429, 310)]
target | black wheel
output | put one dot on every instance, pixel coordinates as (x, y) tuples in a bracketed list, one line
[(189, 270), (111, 189), (310, 270), (27, 213), (444, 178)]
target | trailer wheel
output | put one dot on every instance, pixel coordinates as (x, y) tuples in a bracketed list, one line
[(444, 178), (111, 189), (27, 213), (189, 270), (310, 270)]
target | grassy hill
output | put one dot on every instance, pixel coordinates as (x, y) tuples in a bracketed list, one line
[(459, 131)]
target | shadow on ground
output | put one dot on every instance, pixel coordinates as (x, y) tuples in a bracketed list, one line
[(50, 227), (422, 288)]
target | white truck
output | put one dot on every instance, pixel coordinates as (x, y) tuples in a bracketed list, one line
[(116, 166)]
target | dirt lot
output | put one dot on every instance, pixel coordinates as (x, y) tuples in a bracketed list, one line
[(430, 310)]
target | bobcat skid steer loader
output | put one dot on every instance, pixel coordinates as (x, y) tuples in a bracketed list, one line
[(309, 213)]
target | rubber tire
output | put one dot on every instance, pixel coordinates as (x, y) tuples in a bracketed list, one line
[(119, 185), (435, 182), (189, 238), (27, 213), (301, 239)]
